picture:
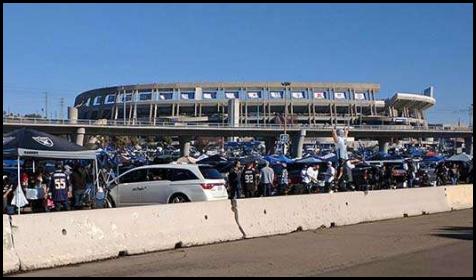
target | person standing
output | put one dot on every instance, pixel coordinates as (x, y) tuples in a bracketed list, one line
[(454, 172), (234, 177), (329, 177), (283, 180), (340, 142), (267, 178), (249, 180), (312, 173), (78, 182), (59, 188)]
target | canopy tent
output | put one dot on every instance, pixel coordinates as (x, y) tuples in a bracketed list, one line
[(275, 159), (26, 142), (250, 159), (460, 157), (433, 159), (213, 159), (309, 160), (30, 143)]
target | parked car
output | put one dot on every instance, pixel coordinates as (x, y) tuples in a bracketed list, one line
[(166, 183)]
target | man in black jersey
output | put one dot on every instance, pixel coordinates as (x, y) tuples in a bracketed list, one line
[(59, 188), (249, 180)]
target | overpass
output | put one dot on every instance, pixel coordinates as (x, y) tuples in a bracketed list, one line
[(297, 132)]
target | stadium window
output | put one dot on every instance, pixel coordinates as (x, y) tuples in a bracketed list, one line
[(97, 100), (209, 95), (319, 95), (339, 95), (110, 99), (231, 95), (359, 96), (187, 95), (276, 94), (165, 96), (297, 94), (128, 97), (145, 96), (254, 94)]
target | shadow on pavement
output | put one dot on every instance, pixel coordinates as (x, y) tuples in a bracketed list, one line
[(462, 233)]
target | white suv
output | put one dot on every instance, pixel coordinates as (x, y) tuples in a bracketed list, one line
[(166, 183)]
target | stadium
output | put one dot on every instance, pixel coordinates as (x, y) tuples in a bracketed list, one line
[(256, 102)]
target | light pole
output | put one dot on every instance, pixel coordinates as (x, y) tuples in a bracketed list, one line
[(285, 85)]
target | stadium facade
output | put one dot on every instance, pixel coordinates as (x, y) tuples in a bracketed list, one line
[(256, 102)]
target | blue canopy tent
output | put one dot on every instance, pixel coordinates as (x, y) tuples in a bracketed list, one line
[(309, 160), (433, 159), (275, 159)]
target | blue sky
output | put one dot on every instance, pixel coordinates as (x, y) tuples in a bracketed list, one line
[(65, 49)]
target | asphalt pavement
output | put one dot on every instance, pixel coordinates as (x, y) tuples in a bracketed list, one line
[(430, 245)]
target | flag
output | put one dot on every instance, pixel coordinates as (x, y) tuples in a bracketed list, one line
[(297, 94), (230, 95), (359, 96), (276, 94), (319, 95), (253, 94), (339, 95)]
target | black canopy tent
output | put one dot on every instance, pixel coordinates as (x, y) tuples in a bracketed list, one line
[(30, 143)]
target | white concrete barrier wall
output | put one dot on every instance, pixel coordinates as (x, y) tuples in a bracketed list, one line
[(460, 196), (53, 239), (277, 215), (48, 240), (357, 207), (11, 262)]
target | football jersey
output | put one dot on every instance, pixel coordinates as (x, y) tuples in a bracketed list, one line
[(59, 186), (249, 177)]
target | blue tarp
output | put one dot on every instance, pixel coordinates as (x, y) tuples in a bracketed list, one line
[(275, 159)]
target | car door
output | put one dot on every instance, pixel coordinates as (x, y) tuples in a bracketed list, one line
[(130, 187), (157, 188)]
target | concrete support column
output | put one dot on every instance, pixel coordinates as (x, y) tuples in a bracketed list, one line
[(80, 136), (297, 143), (383, 145), (73, 114), (468, 145), (234, 112), (184, 143)]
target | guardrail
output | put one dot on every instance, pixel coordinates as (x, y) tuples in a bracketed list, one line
[(136, 123)]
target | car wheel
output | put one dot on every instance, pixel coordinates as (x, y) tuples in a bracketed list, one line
[(179, 198)]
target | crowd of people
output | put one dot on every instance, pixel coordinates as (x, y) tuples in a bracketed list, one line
[(63, 189)]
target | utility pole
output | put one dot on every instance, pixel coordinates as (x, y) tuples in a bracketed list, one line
[(46, 104), (61, 114)]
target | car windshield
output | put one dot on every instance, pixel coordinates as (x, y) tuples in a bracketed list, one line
[(210, 173)]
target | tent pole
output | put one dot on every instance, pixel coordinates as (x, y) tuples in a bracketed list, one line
[(97, 173), (18, 179)]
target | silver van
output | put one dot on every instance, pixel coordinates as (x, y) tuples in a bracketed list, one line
[(166, 183)]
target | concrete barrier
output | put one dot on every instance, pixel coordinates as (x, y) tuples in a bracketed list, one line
[(11, 262), (48, 240), (356, 207), (460, 196), (277, 215)]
